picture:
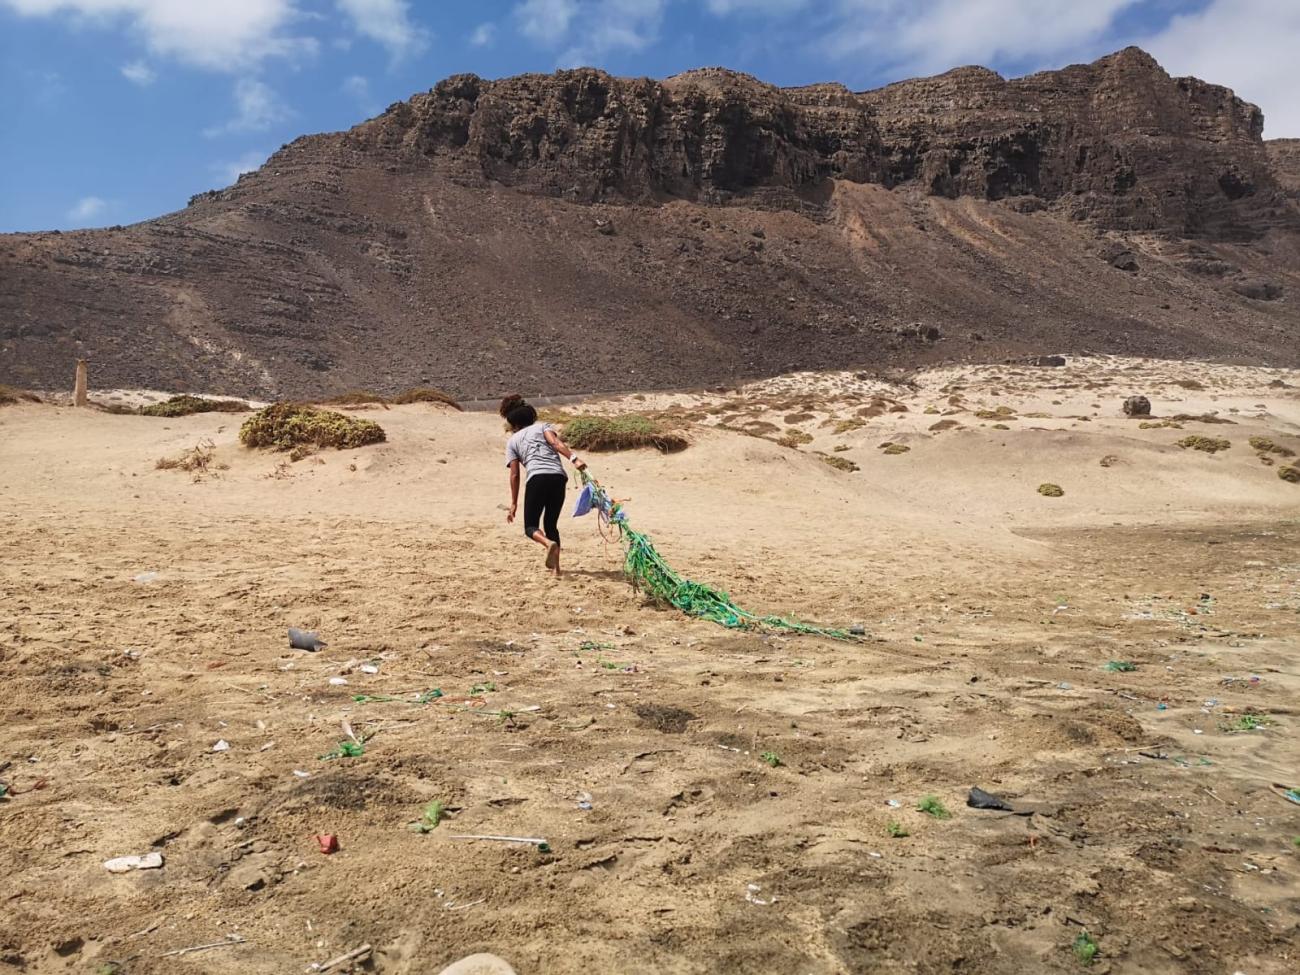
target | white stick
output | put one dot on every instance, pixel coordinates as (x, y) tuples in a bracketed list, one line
[(231, 939), (352, 955), (500, 839)]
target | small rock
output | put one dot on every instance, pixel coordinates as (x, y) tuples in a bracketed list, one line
[(146, 861), (1048, 361), (1137, 406), (1125, 261), (480, 964)]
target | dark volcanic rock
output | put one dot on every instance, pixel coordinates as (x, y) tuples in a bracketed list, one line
[(1137, 406)]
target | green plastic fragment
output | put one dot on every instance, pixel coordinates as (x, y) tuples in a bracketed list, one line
[(428, 696), (345, 749), (1121, 666), (772, 759), (1085, 948)]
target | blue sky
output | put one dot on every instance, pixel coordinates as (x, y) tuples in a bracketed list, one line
[(114, 111)]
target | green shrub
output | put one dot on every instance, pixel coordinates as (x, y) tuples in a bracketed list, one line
[(1210, 445), (1051, 490), (622, 433), (185, 405), (284, 426), (425, 394)]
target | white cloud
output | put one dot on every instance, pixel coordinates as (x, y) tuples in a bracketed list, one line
[(483, 35), (589, 30), (87, 209), (247, 163), (139, 73), (356, 86), (1248, 45), (927, 36), (224, 36), (545, 21), (387, 22), (257, 108), (721, 8)]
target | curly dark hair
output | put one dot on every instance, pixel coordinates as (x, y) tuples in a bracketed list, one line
[(521, 416), (509, 402)]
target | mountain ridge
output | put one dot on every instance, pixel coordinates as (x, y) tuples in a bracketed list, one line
[(578, 232)]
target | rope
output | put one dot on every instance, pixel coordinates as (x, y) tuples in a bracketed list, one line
[(649, 573)]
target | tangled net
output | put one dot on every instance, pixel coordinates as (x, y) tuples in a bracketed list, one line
[(646, 569)]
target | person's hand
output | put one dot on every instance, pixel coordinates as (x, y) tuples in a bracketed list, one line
[(580, 464), (510, 515)]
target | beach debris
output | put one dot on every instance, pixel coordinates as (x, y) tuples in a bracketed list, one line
[(893, 804), (356, 954), (979, 799), (430, 817), (479, 964), (1065, 685), (584, 800), (145, 861), (301, 774), (933, 807), (338, 681), (1288, 792), (537, 841), (328, 842), (368, 669), (146, 577), (221, 746), (1137, 406), (751, 891), (1247, 722), (305, 640), (1085, 948), (857, 631), (1120, 666), (231, 939), (1162, 706)]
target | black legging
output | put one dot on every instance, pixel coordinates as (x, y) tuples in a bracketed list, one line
[(543, 499)]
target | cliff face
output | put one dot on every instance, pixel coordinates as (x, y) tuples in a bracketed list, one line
[(577, 232)]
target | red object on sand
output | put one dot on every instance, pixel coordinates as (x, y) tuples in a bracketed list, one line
[(329, 843)]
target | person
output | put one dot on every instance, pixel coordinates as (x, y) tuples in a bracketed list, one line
[(536, 447)]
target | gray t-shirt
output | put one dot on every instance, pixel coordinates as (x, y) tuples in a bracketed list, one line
[(529, 447)]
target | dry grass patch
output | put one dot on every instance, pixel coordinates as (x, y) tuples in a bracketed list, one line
[(848, 426), (1001, 413), (356, 397), (627, 432), (425, 394), (1290, 474), (187, 405), (1201, 418), (1210, 445), (1159, 425), (893, 449), (795, 438), (1051, 490), (11, 396), (284, 426), (1266, 446), (839, 463), (198, 460)]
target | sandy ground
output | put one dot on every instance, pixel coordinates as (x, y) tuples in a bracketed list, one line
[(143, 617)]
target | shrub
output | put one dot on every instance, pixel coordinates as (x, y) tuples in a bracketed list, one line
[(1159, 425), (1266, 446), (1290, 474), (284, 426), (185, 405), (846, 426), (1210, 445), (10, 396), (839, 463), (893, 449), (622, 433), (795, 438), (425, 394), (1001, 413), (1051, 490)]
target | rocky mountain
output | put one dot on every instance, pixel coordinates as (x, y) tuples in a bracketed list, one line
[(577, 232)]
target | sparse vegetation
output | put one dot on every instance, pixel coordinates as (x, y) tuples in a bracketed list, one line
[(794, 418), (197, 461), (931, 806), (894, 449), (1189, 383), (430, 817), (839, 463), (1289, 474), (1110, 460), (356, 397), (1001, 413), (186, 405), (425, 394), (1210, 445), (1201, 418), (1247, 722), (10, 396), (284, 426), (626, 432), (772, 759), (1266, 446), (1159, 425), (1085, 948), (794, 438), (847, 426), (1051, 490), (896, 830)]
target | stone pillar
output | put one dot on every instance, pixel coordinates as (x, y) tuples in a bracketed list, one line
[(79, 390)]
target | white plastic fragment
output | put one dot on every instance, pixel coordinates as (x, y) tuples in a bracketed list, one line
[(221, 746)]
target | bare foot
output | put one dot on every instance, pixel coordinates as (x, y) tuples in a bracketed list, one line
[(553, 556)]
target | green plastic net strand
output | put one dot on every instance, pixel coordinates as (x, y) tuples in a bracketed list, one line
[(646, 569)]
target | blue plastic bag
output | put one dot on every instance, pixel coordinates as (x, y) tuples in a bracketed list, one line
[(583, 504)]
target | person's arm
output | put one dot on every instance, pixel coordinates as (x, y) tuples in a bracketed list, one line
[(514, 491), (563, 450)]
